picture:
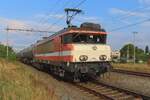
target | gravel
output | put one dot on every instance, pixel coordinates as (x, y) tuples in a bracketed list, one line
[(63, 90), (130, 82)]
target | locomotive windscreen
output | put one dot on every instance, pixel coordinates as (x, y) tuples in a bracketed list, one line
[(84, 38)]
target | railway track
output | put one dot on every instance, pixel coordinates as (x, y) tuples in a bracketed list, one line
[(106, 92), (132, 73), (102, 91)]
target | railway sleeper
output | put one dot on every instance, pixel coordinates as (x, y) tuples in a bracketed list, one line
[(99, 88), (115, 96), (127, 97), (123, 97), (110, 93), (105, 90)]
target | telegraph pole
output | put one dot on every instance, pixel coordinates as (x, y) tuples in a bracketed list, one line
[(128, 53), (134, 58), (7, 44)]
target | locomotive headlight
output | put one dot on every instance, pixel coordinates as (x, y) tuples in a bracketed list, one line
[(83, 58), (103, 57)]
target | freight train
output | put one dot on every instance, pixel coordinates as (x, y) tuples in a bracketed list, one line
[(75, 52)]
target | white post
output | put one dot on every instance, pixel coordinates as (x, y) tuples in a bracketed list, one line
[(7, 44), (134, 33), (128, 53)]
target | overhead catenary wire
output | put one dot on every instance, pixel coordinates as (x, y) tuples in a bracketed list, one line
[(128, 14), (116, 29), (42, 22), (80, 3), (27, 30), (61, 18), (52, 9), (33, 30), (129, 25), (56, 12)]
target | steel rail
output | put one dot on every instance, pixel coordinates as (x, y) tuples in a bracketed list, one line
[(131, 72), (106, 96), (144, 97)]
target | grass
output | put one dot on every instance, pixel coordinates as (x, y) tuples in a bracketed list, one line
[(133, 67), (19, 82)]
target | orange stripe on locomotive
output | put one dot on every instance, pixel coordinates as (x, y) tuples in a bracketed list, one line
[(56, 58), (54, 44)]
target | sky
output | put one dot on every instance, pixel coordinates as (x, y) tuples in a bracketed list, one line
[(120, 18)]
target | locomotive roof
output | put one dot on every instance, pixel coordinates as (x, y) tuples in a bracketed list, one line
[(86, 27)]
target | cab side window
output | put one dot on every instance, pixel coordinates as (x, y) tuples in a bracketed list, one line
[(67, 38)]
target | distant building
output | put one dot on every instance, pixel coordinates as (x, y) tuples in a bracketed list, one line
[(115, 55)]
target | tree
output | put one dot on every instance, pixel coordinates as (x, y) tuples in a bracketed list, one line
[(147, 50), (3, 52), (128, 50)]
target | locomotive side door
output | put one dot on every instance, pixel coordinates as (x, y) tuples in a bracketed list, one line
[(61, 50)]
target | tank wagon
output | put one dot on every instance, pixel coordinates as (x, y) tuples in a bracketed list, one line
[(77, 52)]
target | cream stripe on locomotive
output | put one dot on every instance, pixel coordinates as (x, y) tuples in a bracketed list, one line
[(63, 53), (93, 52)]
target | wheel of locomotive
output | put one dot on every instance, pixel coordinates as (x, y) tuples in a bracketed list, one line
[(61, 72), (76, 77), (84, 78)]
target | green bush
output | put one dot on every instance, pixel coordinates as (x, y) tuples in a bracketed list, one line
[(3, 52)]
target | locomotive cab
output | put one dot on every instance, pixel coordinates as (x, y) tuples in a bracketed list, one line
[(86, 44)]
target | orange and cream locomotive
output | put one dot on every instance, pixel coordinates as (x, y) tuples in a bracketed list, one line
[(77, 52)]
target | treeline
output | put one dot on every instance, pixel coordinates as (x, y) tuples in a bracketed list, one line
[(127, 53), (3, 52)]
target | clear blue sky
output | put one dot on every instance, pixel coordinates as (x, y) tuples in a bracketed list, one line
[(42, 14)]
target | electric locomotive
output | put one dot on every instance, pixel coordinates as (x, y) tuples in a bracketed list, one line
[(74, 52)]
